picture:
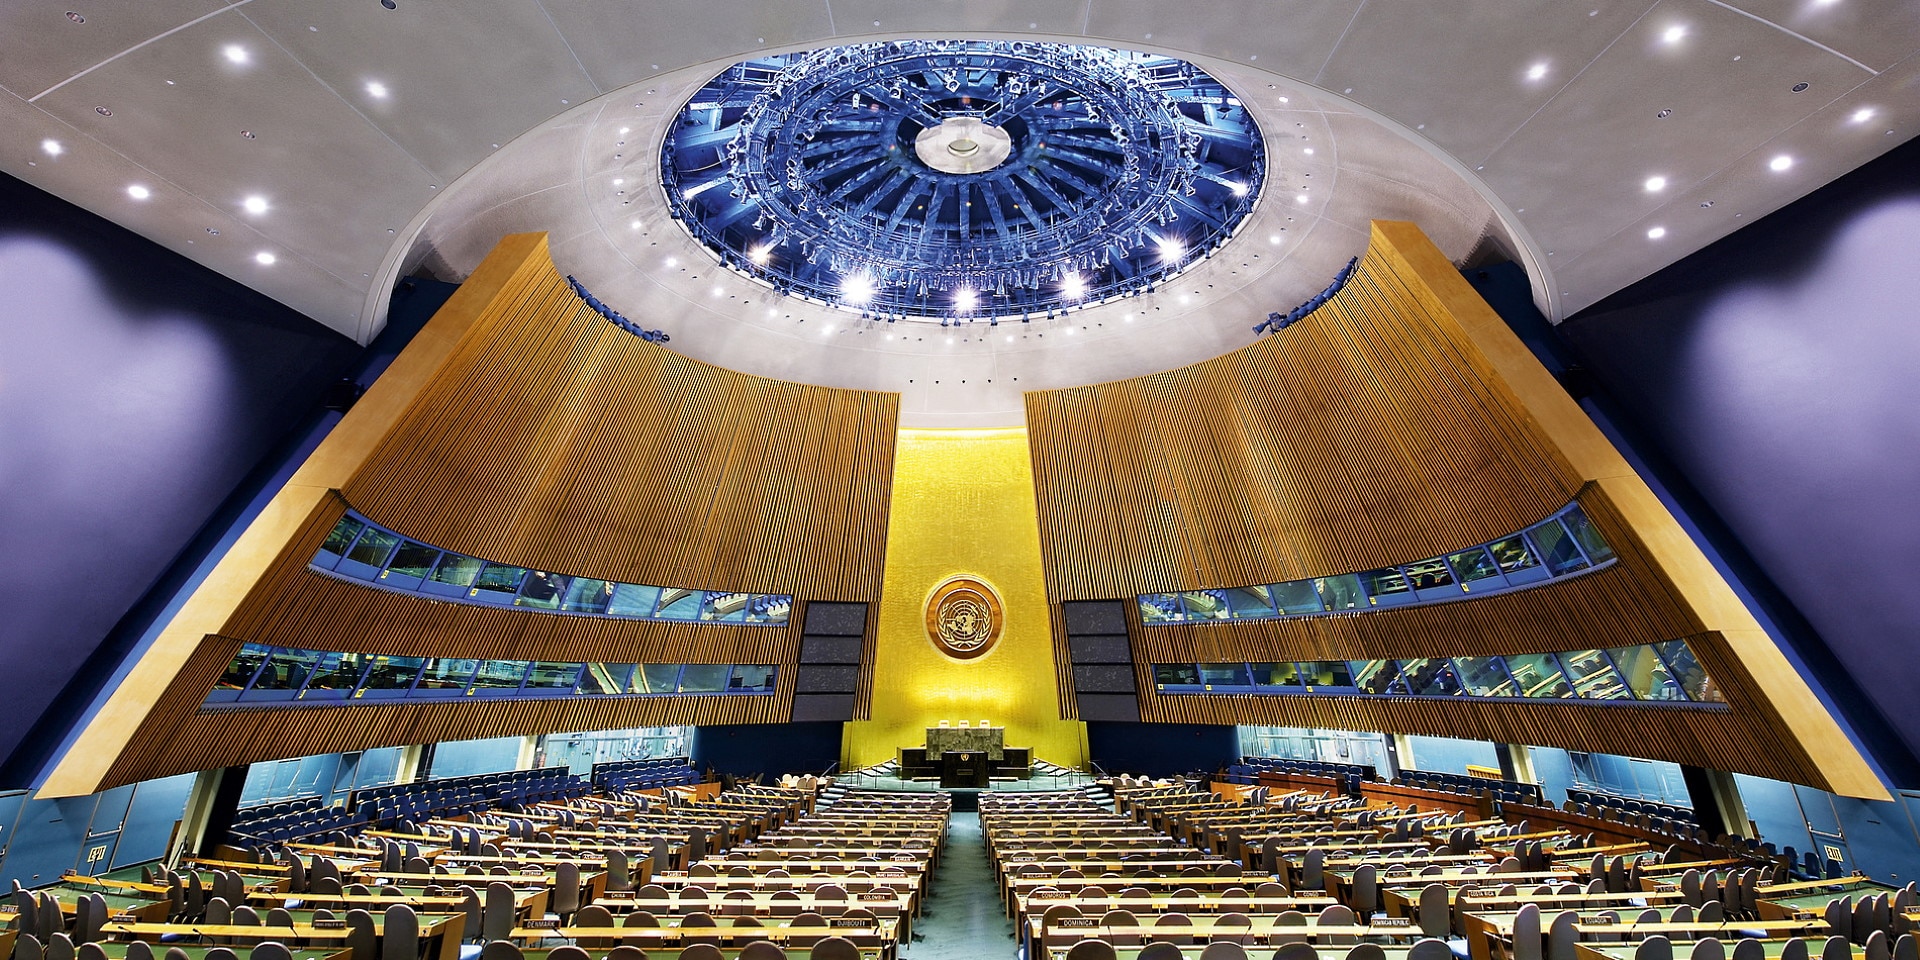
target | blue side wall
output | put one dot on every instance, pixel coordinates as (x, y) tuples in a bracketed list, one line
[(1161, 749), (772, 749)]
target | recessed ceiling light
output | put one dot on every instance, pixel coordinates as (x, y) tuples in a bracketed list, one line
[(1656, 233), (1780, 163), (264, 258), (673, 261), (235, 53), (376, 89), (139, 192), (255, 205), (1656, 184), (1273, 238), (1536, 71), (52, 147), (1308, 151), (1674, 33), (719, 290), (1862, 115), (1301, 198), (619, 180)]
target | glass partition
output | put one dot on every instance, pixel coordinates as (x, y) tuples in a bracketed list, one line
[(1563, 544), (262, 676), (1664, 672), (362, 550)]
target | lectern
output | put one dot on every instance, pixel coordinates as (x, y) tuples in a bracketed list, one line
[(964, 768)]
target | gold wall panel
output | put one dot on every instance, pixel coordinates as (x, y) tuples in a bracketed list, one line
[(963, 505)]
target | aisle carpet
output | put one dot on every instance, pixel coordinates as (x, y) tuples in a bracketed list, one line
[(964, 919)]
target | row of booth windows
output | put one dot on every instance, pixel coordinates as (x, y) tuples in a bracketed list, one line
[(261, 674), (1563, 544), (1655, 672), (362, 550)]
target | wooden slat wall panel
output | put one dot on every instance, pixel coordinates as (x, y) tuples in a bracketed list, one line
[(1281, 459), (1371, 433), (554, 440), (634, 463)]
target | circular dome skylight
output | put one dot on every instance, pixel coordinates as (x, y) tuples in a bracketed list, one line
[(962, 180)]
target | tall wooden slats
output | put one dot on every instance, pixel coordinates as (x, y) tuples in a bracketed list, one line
[(1386, 427), (1357, 438), (549, 438)]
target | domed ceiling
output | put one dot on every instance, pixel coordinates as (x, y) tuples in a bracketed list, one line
[(318, 152)]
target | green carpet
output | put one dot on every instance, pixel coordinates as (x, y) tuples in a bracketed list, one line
[(964, 919)]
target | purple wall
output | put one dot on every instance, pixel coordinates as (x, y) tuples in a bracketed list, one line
[(1777, 371), (137, 390)]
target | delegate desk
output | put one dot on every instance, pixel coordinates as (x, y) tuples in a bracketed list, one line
[(445, 928), (875, 934)]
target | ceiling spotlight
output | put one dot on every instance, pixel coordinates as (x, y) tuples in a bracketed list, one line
[(1536, 71), (139, 192), (52, 148), (759, 255), (1862, 115), (673, 261), (1656, 233), (1273, 238), (1780, 163), (1171, 248), (389, 4), (1073, 285), (1301, 198), (1673, 34), (235, 53), (856, 289), (255, 205), (1656, 184), (264, 258), (376, 89), (964, 300), (1239, 189)]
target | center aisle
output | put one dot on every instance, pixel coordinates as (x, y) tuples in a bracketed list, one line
[(965, 919)]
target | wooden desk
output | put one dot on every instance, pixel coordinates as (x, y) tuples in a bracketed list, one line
[(446, 928)]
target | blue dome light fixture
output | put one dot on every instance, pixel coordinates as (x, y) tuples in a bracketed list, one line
[(962, 180)]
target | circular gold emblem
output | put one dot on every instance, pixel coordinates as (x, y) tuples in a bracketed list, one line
[(963, 618)]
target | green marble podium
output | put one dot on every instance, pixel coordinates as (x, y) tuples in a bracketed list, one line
[(987, 740)]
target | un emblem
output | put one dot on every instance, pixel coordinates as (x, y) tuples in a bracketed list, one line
[(963, 618)]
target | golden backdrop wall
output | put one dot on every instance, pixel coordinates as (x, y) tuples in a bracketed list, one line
[(963, 505)]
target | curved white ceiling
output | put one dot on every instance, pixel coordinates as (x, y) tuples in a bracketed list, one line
[(1533, 125)]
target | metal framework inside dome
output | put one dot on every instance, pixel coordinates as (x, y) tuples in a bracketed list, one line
[(811, 171)]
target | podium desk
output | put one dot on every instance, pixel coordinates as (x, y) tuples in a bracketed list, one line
[(964, 769), (988, 740)]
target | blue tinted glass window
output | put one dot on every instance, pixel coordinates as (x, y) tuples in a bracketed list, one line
[(704, 677), (1513, 555), (1431, 677), (410, 564), (1376, 676), (1538, 676), (1206, 604), (1225, 676), (373, 547), (655, 678), (1268, 676), (335, 676), (1561, 553), (1386, 587), (678, 604), (1250, 602), (605, 678), (542, 590), (442, 676), (455, 570), (552, 675), (495, 676), (389, 677), (239, 671), (1176, 675), (1160, 608), (725, 607), (1645, 673), (283, 675), (587, 595), (633, 600), (769, 608), (1588, 535), (1484, 676), (338, 540), (498, 583), (1473, 565), (1297, 596), (1327, 673), (1341, 592), (1593, 676), (1429, 574), (1692, 676), (752, 678)]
